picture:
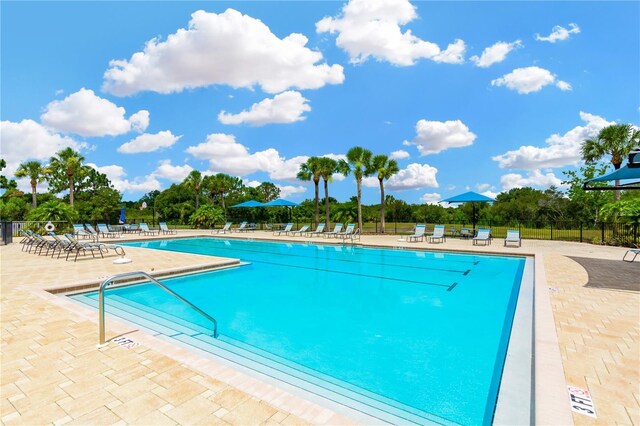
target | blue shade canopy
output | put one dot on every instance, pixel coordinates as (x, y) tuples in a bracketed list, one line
[(122, 218), (623, 173), (281, 203), (468, 197), (250, 203)]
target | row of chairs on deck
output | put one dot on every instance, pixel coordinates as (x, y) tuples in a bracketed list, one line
[(483, 235), (243, 227), (350, 231), (105, 231), (38, 244)]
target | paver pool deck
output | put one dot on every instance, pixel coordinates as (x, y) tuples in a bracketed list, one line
[(53, 373)]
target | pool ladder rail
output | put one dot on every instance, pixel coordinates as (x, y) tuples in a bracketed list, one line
[(141, 274)]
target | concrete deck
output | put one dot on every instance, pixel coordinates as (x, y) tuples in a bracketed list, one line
[(52, 372)]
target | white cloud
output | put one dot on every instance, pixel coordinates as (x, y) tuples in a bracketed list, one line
[(287, 107), (483, 186), (490, 194), (251, 183), (533, 178), (435, 136), (561, 150), (149, 142), (399, 155), (227, 48), (288, 190), (494, 54), (28, 140), (414, 176), (86, 114), (170, 172), (116, 175), (528, 80), (559, 33), (372, 29), (431, 198)]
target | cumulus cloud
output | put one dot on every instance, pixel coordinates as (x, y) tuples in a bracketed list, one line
[(28, 140), (288, 190), (414, 176), (559, 33), (433, 137), (533, 178), (431, 198), (561, 150), (483, 186), (399, 155), (529, 80), (494, 54), (372, 29), (170, 172), (149, 142), (287, 107), (117, 174), (490, 194), (227, 48), (86, 114)]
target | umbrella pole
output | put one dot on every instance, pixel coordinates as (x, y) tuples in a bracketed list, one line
[(473, 217)]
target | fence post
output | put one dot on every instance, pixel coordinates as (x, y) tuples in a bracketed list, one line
[(635, 233), (602, 234), (580, 231), (395, 227), (551, 228)]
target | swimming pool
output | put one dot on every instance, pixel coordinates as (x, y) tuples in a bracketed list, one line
[(420, 335)]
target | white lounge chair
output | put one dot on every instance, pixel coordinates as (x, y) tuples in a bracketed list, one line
[(104, 231), (226, 228), (484, 235), (635, 252), (438, 234), (347, 232), (284, 230), (336, 231), (240, 228), (145, 229), (79, 231), (351, 233), (165, 229), (418, 233), (319, 230), (513, 236), (300, 231)]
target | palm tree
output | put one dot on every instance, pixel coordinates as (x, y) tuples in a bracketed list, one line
[(358, 162), (617, 141), (328, 166), (310, 170), (194, 182), (385, 168), (69, 163), (221, 184), (36, 172)]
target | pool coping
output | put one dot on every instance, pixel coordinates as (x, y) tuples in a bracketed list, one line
[(548, 400)]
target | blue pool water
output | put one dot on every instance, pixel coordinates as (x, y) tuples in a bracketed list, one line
[(425, 330)]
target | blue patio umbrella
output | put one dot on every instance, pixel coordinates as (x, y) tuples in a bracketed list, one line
[(280, 202), (122, 218), (630, 172), (469, 197), (250, 203)]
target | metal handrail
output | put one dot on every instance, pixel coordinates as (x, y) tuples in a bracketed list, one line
[(140, 274)]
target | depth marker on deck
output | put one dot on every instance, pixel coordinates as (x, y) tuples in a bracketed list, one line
[(581, 401)]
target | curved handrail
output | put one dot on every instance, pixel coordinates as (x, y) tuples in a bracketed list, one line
[(113, 278)]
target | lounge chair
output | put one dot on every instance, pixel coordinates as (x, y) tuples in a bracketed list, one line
[(247, 228), (102, 246), (145, 229), (92, 231), (484, 235), (240, 228), (105, 232), (41, 244), (336, 231), (347, 231), (28, 240), (80, 232), (513, 236), (319, 230), (165, 229), (438, 234), (635, 252), (465, 233), (61, 246), (226, 228), (284, 230), (417, 233), (77, 247), (351, 233), (300, 231), (453, 231)]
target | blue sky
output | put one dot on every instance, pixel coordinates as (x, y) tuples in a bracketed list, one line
[(485, 96)]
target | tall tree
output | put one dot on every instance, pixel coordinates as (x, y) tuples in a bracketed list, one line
[(36, 172), (327, 167), (221, 185), (66, 164), (194, 182), (617, 141), (267, 191), (384, 168), (358, 162), (310, 170)]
